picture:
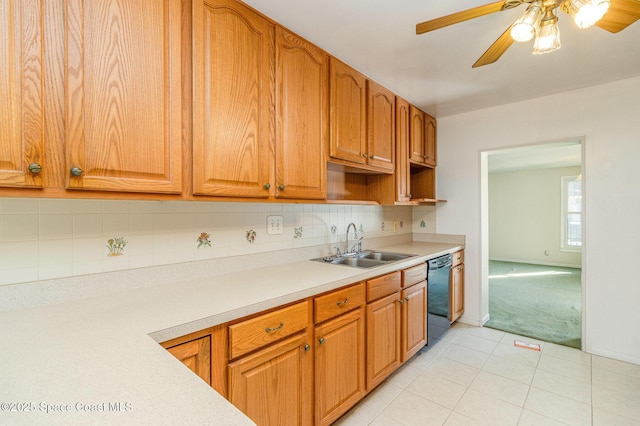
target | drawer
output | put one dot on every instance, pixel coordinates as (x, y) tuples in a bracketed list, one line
[(383, 286), (338, 302), (260, 331), (411, 276), (458, 258)]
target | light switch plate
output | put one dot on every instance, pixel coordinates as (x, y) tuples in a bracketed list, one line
[(274, 225)]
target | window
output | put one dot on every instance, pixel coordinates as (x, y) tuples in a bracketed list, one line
[(571, 220)]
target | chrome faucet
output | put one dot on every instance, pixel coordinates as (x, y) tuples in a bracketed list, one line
[(357, 247)]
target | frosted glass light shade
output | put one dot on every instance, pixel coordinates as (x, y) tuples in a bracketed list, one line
[(585, 13), (525, 27), (548, 38)]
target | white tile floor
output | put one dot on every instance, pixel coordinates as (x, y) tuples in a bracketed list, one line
[(476, 376)]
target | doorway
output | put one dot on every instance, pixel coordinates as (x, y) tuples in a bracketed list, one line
[(532, 227)]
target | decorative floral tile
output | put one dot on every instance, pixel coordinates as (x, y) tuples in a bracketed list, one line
[(334, 229), (297, 232), (204, 240), (422, 224), (116, 246), (251, 236)]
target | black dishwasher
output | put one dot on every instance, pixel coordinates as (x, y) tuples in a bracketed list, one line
[(438, 274)]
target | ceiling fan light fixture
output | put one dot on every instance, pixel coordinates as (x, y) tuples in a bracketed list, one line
[(526, 25), (548, 36), (585, 13)]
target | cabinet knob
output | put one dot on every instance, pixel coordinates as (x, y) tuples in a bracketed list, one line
[(401, 301), (76, 171), (425, 156), (321, 340), (372, 157), (267, 185), (364, 155), (307, 347), (406, 298), (282, 187), (35, 168)]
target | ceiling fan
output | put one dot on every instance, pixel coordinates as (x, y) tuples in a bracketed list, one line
[(539, 21)]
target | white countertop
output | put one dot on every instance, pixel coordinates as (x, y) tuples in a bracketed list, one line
[(93, 353)]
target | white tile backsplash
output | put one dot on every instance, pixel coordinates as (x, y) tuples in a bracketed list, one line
[(56, 238)]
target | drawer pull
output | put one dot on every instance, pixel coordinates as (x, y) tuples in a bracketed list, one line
[(272, 329), (342, 302)]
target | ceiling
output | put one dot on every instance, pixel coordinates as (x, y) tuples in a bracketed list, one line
[(534, 157), (433, 70)]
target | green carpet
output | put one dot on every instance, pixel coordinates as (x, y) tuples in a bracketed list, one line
[(542, 302)]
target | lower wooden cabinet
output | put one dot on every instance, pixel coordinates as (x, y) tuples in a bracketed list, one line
[(196, 355), (456, 307), (383, 338), (456, 283), (273, 386), (414, 324), (311, 361), (339, 365)]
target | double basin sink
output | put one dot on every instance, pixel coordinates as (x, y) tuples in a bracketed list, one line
[(364, 259)]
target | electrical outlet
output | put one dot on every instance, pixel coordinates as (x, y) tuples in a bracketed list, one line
[(274, 225), (395, 226)]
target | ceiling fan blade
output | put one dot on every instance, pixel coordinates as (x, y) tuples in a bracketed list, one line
[(620, 15), (496, 50), (455, 18)]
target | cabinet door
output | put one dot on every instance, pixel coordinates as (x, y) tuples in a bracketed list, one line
[(417, 128), (273, 386), (123, 95), (402, 150), (302, 90), (414, 319), (339, 365), (382, 126), (196, 355), (383, 339), (430, 140), (456, 293), (348, 113), (21, 82), (234, 107)]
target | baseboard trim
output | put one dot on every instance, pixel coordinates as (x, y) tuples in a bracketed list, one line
[(614, 355), (533, 262), (485, 319)]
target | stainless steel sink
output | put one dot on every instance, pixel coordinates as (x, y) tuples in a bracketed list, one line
[(384, 256), (365, 259)]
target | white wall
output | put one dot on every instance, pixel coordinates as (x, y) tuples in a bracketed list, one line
[(525, 216), (608, 118)]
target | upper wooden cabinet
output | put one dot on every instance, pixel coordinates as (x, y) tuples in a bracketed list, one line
[(348, 118), (123, 126), (430, 140), (382, 127), (302, 117), (233, 100), (21, 91), (423, 138), (402, 150), (362, 117)]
